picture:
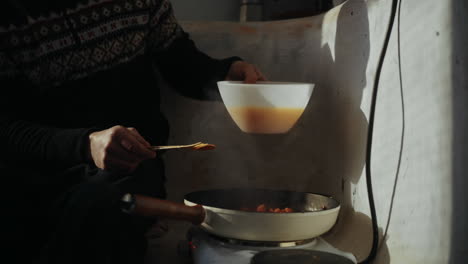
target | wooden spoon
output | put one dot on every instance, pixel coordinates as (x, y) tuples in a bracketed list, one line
[(194, 146)]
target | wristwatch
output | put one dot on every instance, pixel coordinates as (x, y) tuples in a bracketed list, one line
[(127, 203)]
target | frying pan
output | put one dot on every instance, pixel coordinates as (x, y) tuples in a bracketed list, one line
[(219, 212)]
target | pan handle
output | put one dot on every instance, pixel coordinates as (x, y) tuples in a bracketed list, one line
[(153, 207)]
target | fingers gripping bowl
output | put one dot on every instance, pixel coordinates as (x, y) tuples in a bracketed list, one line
[(265, 107)]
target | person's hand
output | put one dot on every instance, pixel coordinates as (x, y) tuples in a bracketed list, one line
[(243, 71), (119, 149)]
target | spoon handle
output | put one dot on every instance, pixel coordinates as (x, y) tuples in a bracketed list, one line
[(174, 146)]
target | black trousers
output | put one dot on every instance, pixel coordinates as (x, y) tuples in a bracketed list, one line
[(75, 216)]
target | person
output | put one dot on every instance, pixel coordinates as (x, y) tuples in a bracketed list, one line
[(79, 109)]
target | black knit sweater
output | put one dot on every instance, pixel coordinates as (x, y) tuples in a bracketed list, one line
[(90, 65)]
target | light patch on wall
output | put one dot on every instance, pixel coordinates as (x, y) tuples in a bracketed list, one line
[(329, 26)]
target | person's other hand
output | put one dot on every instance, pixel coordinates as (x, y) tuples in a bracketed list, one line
[(243, 71), (119, 149)]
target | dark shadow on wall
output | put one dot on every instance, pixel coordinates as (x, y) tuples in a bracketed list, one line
[(353, 232), (459, 240), (332, 132), (287, 9)]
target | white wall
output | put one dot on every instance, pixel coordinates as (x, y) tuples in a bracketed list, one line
[(325, 152)]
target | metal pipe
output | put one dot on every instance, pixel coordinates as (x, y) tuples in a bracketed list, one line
[(251, 10)]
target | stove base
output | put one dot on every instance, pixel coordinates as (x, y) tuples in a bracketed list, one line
[(206, 249)]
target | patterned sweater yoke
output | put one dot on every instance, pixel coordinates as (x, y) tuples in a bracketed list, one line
[(86, 39)]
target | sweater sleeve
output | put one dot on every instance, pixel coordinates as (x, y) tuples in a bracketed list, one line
[(24, 142), (187, 69)]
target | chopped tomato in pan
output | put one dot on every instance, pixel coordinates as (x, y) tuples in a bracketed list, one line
[(264, 209)]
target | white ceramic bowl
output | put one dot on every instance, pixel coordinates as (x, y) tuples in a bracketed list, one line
[(265, 107)]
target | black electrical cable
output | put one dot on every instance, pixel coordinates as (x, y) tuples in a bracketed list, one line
[(375, 230)]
